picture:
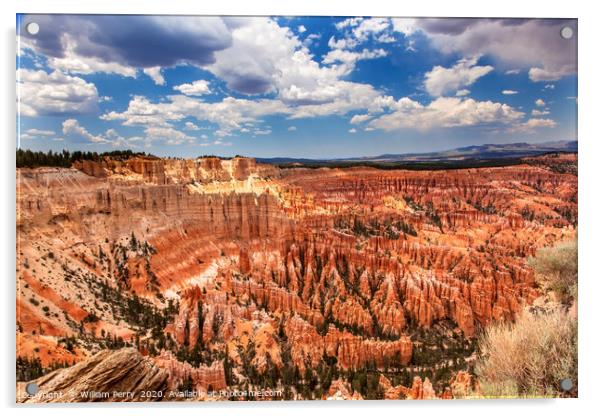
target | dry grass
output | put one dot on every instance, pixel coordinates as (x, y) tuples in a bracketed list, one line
[(529, 357), (556, 270)]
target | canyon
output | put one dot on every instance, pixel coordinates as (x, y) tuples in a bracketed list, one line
[(209, 275)]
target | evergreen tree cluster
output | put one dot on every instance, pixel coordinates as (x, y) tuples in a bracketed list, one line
[(30, 368), (33, 159)]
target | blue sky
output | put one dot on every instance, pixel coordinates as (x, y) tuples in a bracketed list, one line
[(292, 87)]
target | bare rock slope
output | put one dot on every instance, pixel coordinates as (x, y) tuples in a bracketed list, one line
[(122, 375)]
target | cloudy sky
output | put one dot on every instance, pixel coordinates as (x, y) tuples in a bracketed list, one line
[(299, 87)]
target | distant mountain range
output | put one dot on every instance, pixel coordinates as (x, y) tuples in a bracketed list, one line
[(477, 152)]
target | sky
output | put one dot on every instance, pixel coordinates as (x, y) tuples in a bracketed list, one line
[(312, 87)]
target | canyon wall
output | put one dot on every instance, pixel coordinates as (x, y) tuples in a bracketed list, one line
[(240, 265)]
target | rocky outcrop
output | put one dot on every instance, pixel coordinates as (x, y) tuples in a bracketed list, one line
[(351, 351), (420, 390), (203, 378), (340, 390), (390, 392), (157, 171), (461, 386), (116, 376)]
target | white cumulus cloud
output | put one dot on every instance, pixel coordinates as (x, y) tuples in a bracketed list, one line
[(360, 118), (189, 125), (71, 127), (199, 87), (445, 112), (539, 113), (155, 74), (40, 93), (440, 81)]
